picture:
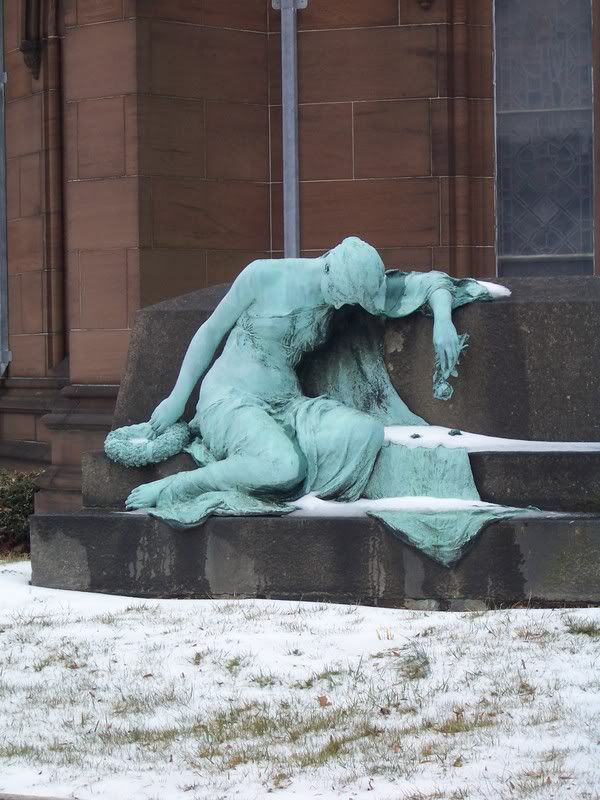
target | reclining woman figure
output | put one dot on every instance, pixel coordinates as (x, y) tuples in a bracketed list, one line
[(264, 436)]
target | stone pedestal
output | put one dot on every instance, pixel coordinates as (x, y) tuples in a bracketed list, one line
[(540, 560), (531, 372)]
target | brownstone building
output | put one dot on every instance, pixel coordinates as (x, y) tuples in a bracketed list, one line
[(144, 160)]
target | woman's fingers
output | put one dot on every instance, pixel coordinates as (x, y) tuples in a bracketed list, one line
[(443, 360), (156, 423), (448, 362), (454, 351), (454, 355), (442, 357), (448, 352)]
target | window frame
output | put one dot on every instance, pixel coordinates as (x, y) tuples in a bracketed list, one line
[(595, 17)]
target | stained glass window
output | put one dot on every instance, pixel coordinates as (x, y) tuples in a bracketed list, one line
[(544, 137)]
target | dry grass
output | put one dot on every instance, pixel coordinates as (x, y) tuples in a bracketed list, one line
[(226, 696), (583, 627)]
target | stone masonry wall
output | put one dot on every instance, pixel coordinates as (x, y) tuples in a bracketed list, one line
[(102, 186), (396, 130), (35, 241), (204, 142)]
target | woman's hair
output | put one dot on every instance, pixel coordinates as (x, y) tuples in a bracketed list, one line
[(354, 274)]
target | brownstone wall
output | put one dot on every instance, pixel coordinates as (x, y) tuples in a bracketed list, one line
[(34, 205), (100, 86), (35, 243), (396, 130), (204, 142)]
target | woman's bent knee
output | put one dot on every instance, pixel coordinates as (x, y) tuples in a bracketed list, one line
[(287, 468)]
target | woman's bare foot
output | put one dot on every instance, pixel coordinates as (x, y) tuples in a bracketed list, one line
[(146, 495)]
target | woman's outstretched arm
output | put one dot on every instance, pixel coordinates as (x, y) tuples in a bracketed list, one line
[(446, 342), (408, 291), (202, 349)]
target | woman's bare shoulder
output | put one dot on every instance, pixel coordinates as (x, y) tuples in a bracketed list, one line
[(260, 268), (263, 272)]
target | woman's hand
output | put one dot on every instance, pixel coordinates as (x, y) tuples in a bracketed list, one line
[(166, 414), (446, 344)]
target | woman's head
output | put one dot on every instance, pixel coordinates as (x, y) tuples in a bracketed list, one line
[(354, 274)]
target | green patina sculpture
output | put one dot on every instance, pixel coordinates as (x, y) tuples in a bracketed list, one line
[(261, 443)]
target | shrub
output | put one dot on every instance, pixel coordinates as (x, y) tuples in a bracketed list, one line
[(16, 504)]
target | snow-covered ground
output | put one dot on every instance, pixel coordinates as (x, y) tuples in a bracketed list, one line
[(111, 697)]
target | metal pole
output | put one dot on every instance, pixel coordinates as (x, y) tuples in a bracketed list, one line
[(5, 354), (289, 99)]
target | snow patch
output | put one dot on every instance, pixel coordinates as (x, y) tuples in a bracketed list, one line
[(311, 506), (495, 289), (435, 436)]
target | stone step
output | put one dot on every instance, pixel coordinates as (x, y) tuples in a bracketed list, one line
[(537, 559), (557, 481)]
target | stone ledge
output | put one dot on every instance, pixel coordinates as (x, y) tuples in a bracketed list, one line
[(64, 478), (540, 560), (23, 450), (106, 484), (33, 383), (560, 481), (78, 420), (87, 390), (29, 404)]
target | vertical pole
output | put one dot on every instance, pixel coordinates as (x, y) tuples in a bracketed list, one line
[(289, 92), (5, 355)]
